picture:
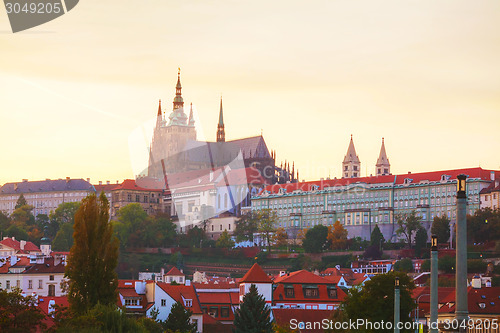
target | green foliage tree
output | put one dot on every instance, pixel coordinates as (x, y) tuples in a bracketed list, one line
[(375, 300), (441, 228), (246, 227), (446, 264), (179, 320), (426, 266), (23, 216), (93, 257), (316, 239), (377, 238), (420, 241), (4, 221), (483, 226), (476, 266), (130, 219), (253, 316), (404, 265), (193, 238), (337, 236), (408, 224), (21, 201), (64, 238), (17, 232), (19, 313), (267, 225), (225, 241)]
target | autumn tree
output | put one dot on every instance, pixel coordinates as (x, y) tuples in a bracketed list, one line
[(225, 241), (408, 224), (254, 315), (337, 236), (93, 257), (441, 228), (281, 237), (179, 320)]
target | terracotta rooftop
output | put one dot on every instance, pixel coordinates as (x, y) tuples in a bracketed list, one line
[(257, 275)]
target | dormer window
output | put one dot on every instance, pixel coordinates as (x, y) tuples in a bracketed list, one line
[(289, 292), (188, 303), (408, 181), (482, 305)]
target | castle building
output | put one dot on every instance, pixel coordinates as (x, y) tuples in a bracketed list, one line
[(359, 203)]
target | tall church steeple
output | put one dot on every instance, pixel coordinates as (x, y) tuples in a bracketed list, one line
[(191, 117), (383, 166), (221, 134), (159, 116), (351, 166), (178, 101)]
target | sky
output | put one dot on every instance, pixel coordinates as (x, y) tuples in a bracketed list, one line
[(77, 92)]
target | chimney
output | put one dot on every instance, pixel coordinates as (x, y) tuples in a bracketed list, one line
[(88, 180), (107, 182), (100, 182), (25, 180), (15, 187), (57, 260), (67, 179), (492, 175), (476, 282), (22, 244), (188, 282), (13, 260)]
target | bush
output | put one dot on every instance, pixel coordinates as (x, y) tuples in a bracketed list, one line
[(404, 265)]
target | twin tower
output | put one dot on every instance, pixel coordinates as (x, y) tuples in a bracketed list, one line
[(351, 166)]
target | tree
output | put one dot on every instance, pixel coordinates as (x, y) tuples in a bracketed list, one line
[(246, 227), (404, 265), (225, 241), (23, 216), (337, 236), (316, 239), (267, 222), (281, 237), (130, 219), (253, 316), (373, 252), (375, 300), (21, 201), (93, 257), (483, 226), (377, 238), (441, 228), (17, 232), (420, 241), (408, 225), (64, 238), (64, 214), (179, 320), (19, 313)]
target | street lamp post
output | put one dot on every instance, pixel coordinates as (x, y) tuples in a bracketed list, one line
[(396, 305), (461, 307), (417, 310), (434, 285)]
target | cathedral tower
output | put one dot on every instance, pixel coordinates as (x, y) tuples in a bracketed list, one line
[(221, 134), (351, 166), (383, 166)]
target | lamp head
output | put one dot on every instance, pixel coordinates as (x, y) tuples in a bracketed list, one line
[(461, 186)]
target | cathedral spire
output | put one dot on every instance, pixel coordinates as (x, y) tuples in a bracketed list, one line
[(178, 101), (221, 134), (159, 108), (191, 117), (383, 166)]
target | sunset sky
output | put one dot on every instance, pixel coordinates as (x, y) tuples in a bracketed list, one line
[(423, 74)]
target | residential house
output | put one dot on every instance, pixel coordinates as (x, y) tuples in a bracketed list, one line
[(13, 247)]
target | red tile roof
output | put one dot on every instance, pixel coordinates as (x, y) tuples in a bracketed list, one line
[(279, 295), (177, 292), (218, 298), (16, 245), (47, 267), (130, 184), (256, 274), (489, 296), (301, 276), (392, 179), (283, 317), (175, 272)]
